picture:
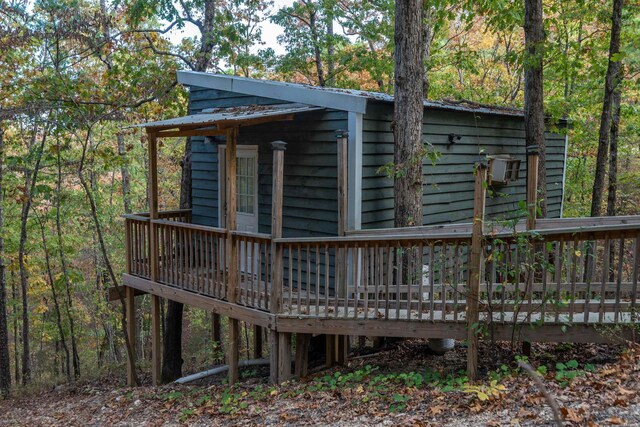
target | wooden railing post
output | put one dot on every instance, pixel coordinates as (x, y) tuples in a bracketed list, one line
[(154, 257), (279, 343), (232, 255), (475, 271)]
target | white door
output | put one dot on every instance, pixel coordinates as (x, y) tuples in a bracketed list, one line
[(246, 196)]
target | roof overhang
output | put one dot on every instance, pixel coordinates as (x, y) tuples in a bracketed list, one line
[(344, 100), (214, 122)]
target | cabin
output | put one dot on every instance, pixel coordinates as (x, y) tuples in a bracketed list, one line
[(291, 228), (460, 136)]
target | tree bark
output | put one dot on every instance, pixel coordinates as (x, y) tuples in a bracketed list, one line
[(172, 339), (56, 305), (313, 27), (5, 367), (16, 334), (533, 93), (125, 175), (610, 84), (428, 38), (65, 274), (103, 249), (30, 183), (612, 192), (331, 50), (408, 112)]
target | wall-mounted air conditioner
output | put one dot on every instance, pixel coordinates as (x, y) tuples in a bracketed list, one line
[(503, 169)]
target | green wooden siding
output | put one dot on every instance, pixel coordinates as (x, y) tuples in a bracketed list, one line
[(310, 181), (448, 190)]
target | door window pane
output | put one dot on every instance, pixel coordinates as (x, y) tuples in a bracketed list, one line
[(245, 184)]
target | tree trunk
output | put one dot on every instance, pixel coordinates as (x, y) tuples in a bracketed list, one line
[(428, 38), (126, 176), (313, 27), (5, 368), (408, 112), (172, 342), (208, 37), (613, 156), (16, 334), (533, 93), (611, 82), (56, 305), (65, 274), (331, 50), (103, 249), (30, 183)]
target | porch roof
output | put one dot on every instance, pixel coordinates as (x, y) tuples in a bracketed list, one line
[(215, 121)]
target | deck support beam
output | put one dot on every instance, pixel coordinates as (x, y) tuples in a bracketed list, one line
[(130, 309), (280, 343), (233, 352), (156, 352), (302, 354), (257, 342), (475, 271)]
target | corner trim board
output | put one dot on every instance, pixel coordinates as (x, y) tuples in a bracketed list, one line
[(354, 208)]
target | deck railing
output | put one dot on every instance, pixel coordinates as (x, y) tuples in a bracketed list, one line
[(402, 277), (565, 272)]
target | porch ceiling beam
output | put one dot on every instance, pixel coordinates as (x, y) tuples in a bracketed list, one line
[(221, 127), (253, 122), (191, 132)]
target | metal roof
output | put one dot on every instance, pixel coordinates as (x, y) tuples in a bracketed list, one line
[(339, 99), (229, 116)]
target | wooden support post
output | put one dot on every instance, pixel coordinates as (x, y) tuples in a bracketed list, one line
[(216, 328), (274, 352), (330, 350), (280, 371), (339, 348), (156, 353), (233, 352), (302, 354), (475, 271), (131, 331), (257, 342), (154, 257), (284, 356)]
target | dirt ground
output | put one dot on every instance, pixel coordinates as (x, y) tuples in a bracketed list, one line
[(405, 384)]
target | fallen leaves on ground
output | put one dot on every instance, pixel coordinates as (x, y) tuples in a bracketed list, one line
[(606, 395)]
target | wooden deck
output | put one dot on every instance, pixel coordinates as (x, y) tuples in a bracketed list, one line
[(570, 272), (569, 280)]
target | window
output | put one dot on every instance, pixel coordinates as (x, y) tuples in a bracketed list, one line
[(245, 184)]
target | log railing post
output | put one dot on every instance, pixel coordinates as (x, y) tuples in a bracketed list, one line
[(475, 271), (232, 254), (279, 343)]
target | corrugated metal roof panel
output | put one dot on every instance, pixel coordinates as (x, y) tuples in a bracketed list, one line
[(230, 115)]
